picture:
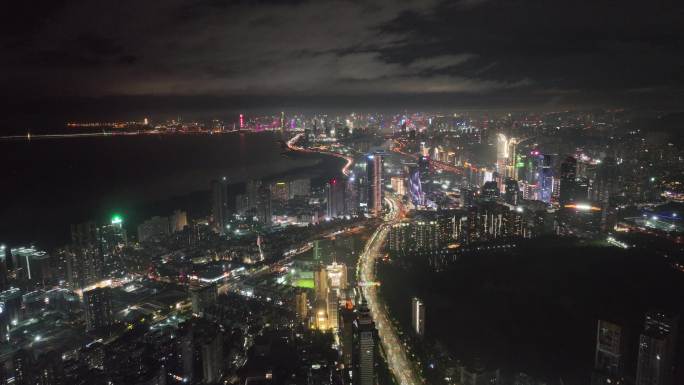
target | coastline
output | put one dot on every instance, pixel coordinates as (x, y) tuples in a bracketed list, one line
[(137, 180)]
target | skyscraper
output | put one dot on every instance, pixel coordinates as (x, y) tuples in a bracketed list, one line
[(219, 208), (365, 346), (511, 191), (299, 187), (321, 283), (400, 237), (501, 153), (374, 165), (606, 186), (333, 310), (301, 305), (203, 297), (351, 196), (98, 308), (153, 227), (490, 190), (280, 191), (3, 267), (211, 348), (506, 156), (608, 360), (418, 316), (264, 208), (112, 236), (201, 352), (10, 302), (426, 234), (415, 186), (398, 185), (656, 349), (84, 266), (337, 277), (335, 198), (424, 174), (178, 220), (85, 234), (568, 181), (545, 178)]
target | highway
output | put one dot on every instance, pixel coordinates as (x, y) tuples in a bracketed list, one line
[(398, 362), (401, 367), (437, 165)]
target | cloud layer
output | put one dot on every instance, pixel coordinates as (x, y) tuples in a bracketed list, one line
[(326, 48)]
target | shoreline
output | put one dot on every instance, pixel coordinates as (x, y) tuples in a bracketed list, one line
[(138, 192)]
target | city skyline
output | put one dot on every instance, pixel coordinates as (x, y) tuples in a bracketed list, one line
[(337, 192)]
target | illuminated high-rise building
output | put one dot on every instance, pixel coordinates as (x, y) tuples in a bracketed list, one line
[(347, 318), (398, 185), (486, 221), (425, 175), (502, 154), (84, 258), (606, 187), (609, 356), (335, 198), (545, 178), (506, 156), (85, 234), (299, 187), (374, 170), (490, 190), (178, 220), (4, 250), (321, 314), (321, 283), (153, 227), (333, 310), (656, 349), (351, 196), (112, 237), (211, 349), (280, 191), (301, 305), (219, 208), (416, 186), (365, 346), (12, 313), (426, 234), (264, 208), (200, 352), (337, 277), (400, 237), (98, 308), (511, 191), (418, 316), (568, 181), (203, 297)]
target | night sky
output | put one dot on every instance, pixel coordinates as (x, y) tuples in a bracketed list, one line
[(129, 55)]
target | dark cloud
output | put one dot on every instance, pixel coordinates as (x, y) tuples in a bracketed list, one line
[(503, 51)]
